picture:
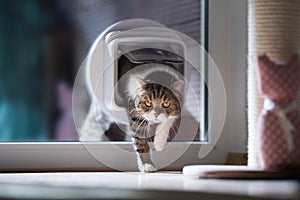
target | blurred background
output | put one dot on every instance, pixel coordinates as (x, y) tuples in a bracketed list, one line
[(42, 45)]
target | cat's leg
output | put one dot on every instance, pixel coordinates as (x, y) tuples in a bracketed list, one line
[(143, 155), (162, 134)]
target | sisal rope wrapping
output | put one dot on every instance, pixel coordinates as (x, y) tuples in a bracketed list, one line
[(274, 29)]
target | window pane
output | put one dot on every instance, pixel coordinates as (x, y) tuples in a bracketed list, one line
[(42, 45)]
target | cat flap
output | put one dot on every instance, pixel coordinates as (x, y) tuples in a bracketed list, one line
[(130, 59), (147, 55)]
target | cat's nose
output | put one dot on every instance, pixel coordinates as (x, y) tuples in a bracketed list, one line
[(156, 115)]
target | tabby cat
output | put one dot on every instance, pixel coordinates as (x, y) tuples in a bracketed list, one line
[(155, 101), (152, 95)]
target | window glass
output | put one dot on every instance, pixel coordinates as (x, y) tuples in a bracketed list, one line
[(42, 45)]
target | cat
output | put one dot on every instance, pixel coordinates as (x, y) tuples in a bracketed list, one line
[(152, 95), (155, 99)]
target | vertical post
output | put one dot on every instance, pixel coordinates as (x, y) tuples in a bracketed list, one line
[(273, 28)]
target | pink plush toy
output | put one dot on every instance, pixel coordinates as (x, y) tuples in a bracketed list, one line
[(279, 120)]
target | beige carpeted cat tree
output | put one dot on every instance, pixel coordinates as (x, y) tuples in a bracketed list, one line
[(274, 29)]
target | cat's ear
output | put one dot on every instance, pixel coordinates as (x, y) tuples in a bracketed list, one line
[(140, 82), (135, 84), (178, 86)]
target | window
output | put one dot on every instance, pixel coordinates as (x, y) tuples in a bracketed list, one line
[(38, 23), (49, 40)]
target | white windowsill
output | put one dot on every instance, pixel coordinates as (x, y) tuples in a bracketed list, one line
[(135, 185)]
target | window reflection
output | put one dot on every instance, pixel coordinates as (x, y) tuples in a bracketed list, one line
[(42, 44)]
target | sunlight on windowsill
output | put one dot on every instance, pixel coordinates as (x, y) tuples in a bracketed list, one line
[(170, 181)]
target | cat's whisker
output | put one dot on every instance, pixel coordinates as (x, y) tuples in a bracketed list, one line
[(146, 130), (148, 133), (129, 112), (178, 133), (145, 133), (139, 125), (134, 123), (175, 133)]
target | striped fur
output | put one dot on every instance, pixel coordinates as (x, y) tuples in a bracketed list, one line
[(152, 112)]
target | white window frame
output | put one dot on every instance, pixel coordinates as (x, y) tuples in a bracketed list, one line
[(227, 47)]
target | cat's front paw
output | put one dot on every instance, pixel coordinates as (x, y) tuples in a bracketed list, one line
[(146, 167)]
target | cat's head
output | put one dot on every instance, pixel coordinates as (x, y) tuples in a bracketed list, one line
[(156, 103)]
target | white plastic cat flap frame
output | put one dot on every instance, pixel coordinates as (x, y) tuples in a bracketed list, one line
[(150, 40), (102, 62)]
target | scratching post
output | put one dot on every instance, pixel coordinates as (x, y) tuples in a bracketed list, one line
[(273, 29)]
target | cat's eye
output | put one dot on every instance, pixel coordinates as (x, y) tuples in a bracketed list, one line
[(166, 104), (148, 103)]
